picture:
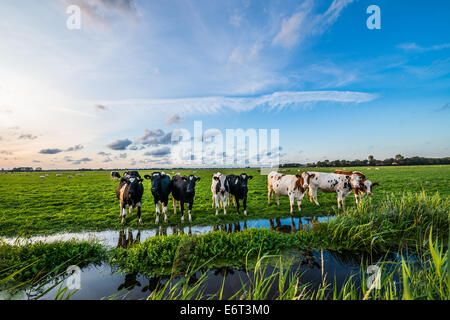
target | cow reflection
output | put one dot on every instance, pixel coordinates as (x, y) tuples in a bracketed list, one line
[(223, 271), (310, 223), (130, 282), (126, 239), (309, 260), (231, 227), (277, 226), (155, 283)]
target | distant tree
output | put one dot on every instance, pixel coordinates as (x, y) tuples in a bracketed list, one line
[(398, 157), (370, 158)]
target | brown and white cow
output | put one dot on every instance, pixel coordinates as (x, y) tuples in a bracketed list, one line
[(365, 187), (293, 186), (332, 182), (219, 189)]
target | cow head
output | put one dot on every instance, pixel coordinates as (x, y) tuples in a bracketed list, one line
[(155, 178), (307, 176), (133, 183), (368, 186), (191, 180), (243, 178), (356, 180), (219, 181)]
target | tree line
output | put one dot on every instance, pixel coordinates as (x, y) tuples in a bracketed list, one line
[(371, 161)]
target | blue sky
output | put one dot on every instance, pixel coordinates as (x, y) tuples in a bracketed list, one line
[(312, 69)]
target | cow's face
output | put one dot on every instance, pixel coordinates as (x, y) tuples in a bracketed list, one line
[(368, 186), (218, 181), (156, 180), (306, 178), (191, 180), (133, 182), (243, 178), (355, 180)]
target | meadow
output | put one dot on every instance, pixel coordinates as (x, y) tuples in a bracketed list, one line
[(32, 205), (407, 214)]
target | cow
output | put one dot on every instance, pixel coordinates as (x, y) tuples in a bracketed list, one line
[(129, 192), (183, 190), (293, 186), (59, 175), (365, 186), (219, 188), (332, 182), (115, 175), (69, 176), (238, 189), (161, 188), (42, 177), (131, 173)]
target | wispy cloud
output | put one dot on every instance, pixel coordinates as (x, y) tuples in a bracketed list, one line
[(27, 136), (305, 23), (412, 46), (103, 13), (211, 105)]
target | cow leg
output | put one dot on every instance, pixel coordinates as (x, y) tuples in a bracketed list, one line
[(269, 195), (130, 210), (299, 204), (277, 199), (216, 199), (138, 205), (124, 214), (315, 197), (157, 212), (339, 199), (225, 205), (236, 203), (165, 207), (174, 202), (182, 210), (244, 203), (291, 202), (190, 210), (213, 201), (121, 210)]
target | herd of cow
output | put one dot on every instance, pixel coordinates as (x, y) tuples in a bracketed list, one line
[(223, 187)]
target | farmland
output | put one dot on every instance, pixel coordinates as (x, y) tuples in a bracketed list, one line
[(31, 205), (409, 209)]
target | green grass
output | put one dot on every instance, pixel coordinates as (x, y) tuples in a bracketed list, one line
[(30, 205), (398, 222), (40, 263)]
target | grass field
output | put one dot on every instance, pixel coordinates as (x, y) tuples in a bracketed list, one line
[(31, 205)]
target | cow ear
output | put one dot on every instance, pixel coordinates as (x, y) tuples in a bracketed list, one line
[(140, 180), (184, 178), (197, 178), (147, 176), (298, 176), (312, 175), (375, 184), (250, 177), (215, 178)]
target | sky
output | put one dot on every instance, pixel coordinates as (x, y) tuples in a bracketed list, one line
[(111, 93)]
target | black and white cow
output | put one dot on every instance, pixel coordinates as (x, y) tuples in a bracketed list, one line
[(115, 175), (239, 189), (219, 189), (129, 192), (183, 190), (161, 188)]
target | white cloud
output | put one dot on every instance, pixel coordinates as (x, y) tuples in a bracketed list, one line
[(304, 23), (412, 46)]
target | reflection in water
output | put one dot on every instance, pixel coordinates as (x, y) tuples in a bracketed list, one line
[(126, 239), (130, 282)]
